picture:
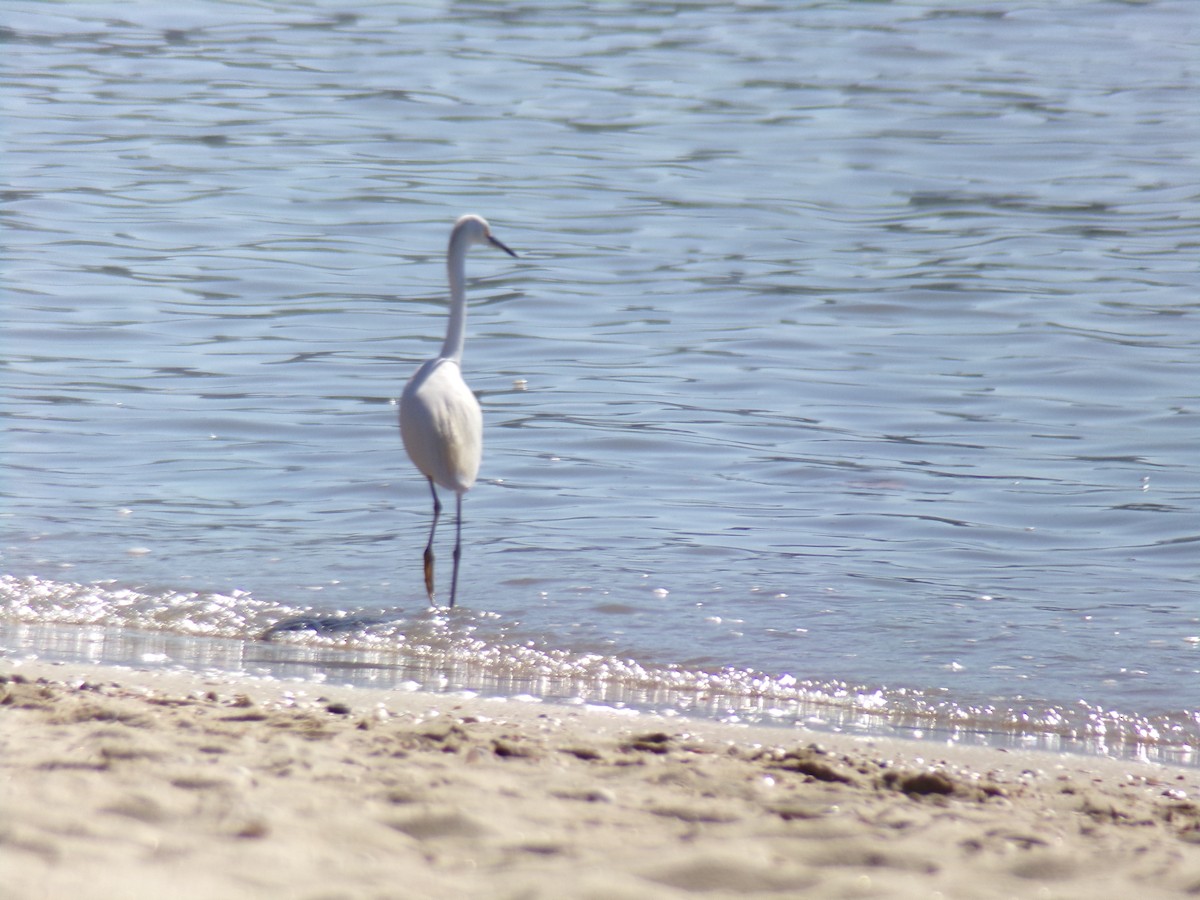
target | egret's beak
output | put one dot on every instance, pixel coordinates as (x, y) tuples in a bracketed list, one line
[(496, 243)]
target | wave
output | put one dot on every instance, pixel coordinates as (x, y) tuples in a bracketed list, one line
[(454, 650)]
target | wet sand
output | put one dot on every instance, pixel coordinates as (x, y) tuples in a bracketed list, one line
[(139, 784)]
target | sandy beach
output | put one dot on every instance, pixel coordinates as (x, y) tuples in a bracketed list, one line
[(121, 783)]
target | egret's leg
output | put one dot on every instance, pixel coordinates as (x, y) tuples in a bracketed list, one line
[(437, 511), (457, 550)]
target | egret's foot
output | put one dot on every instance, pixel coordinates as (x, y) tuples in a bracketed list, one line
[(429, 575)]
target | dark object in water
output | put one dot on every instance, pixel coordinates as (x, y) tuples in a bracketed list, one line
[(324, 624)]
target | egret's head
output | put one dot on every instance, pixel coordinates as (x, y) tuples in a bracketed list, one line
[(475, 230)]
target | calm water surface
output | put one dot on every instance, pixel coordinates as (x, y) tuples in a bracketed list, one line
[(850, 372)]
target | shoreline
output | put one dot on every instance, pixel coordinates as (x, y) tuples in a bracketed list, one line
[(120, 782), (1119, 736)]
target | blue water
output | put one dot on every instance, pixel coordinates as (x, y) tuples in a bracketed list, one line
[(852, 357)]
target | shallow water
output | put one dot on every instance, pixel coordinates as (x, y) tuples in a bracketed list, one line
[(852, 353)]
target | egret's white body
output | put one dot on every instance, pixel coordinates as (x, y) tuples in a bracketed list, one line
[(440, 420)]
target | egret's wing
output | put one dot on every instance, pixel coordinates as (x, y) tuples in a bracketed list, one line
[(442, 426)]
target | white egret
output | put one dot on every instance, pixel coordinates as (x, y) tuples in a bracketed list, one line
[(440, 420)]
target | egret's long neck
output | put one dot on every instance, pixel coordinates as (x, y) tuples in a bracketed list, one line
[(456, 329)]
